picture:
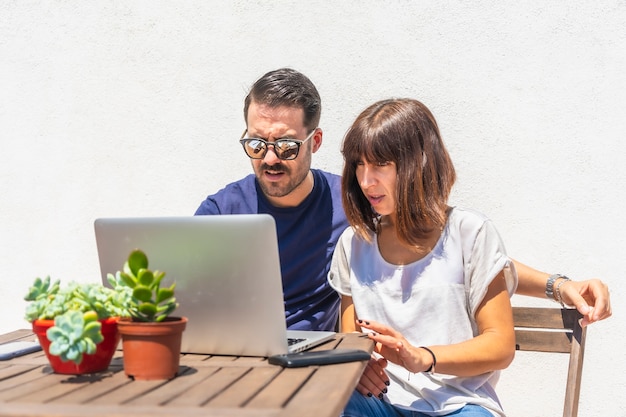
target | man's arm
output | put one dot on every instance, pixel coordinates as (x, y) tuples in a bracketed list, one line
[(590, 297)]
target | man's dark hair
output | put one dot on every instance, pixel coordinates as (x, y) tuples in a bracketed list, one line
[(287, 87)]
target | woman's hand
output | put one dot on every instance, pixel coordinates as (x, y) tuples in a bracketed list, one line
[(374, 380), (591, 298), (391, 345)]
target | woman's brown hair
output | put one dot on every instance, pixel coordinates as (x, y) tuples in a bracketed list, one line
[(405, 132)]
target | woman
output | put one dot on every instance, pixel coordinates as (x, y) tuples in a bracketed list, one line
[(429, 283)]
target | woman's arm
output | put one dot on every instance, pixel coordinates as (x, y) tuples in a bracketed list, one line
[(492, 349), (348, 316), (590, 297)]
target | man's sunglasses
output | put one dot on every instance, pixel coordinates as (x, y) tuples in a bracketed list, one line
[(286, 149)]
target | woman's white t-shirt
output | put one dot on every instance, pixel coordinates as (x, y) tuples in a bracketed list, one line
[(431, 302)]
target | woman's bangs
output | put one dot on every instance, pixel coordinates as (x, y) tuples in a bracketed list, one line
[(370, 146)]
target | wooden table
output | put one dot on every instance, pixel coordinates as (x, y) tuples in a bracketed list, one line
[(206, 386)]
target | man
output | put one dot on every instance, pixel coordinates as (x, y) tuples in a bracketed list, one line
[(282, 113)]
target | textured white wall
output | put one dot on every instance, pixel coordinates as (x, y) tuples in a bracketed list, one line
[(134, 108)]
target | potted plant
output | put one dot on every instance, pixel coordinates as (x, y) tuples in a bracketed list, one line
[(76, 325), (151, 339)]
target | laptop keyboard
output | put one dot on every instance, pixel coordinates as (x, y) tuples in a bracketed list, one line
[(293, 341)]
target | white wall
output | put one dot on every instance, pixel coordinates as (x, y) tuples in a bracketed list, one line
[(134, 108)]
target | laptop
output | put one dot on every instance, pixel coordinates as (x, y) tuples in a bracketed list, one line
[(227, 274)]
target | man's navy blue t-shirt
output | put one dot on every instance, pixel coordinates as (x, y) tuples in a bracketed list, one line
[(307, 235)]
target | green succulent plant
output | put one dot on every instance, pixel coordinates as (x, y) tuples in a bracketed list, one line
[(148, 301), (49, 300), (75, 334), (75, 309)]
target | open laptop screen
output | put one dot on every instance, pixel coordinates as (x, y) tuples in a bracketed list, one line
[(227, 275)]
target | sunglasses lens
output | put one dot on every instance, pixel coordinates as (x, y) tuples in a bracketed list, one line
[(286, 149), (255, 148)]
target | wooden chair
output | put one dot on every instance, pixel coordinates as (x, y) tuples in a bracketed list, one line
[(554, 330)]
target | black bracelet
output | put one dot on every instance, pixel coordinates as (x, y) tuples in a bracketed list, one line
[(432, 367)]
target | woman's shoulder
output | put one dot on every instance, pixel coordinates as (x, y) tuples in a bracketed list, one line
[(349, 237), (466, 219)]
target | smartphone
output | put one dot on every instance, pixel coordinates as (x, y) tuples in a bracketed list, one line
[(319, 357), (13, 349)]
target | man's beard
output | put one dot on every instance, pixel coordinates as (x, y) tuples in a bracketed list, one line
[(273, 189)]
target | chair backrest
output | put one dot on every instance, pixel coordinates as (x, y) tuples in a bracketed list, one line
[(554, 330)]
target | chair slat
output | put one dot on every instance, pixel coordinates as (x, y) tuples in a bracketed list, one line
[(554, 330), (536, 341), (547, 318)]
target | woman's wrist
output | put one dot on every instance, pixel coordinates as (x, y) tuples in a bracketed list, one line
[(557, 292), (431, 368), (554, 285)]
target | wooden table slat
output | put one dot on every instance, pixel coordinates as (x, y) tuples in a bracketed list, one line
[(282, 388), (318, 394), (125, 392), (25, 383), (240, 392), (356, 341), (166, 394), (89, 393), (209, 387), (21, 334), (13, 371), (117, 410)]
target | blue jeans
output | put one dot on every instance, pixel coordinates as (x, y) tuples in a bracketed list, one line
[(362, 406)]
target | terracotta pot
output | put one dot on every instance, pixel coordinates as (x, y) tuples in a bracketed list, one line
[(97, 362), (152, 350)]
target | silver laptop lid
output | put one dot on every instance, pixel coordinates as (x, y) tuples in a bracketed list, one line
[(227, 275)]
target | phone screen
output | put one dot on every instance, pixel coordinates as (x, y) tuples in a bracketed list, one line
[(14, 349)]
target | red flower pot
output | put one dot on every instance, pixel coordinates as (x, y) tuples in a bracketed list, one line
[(97, 362)]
